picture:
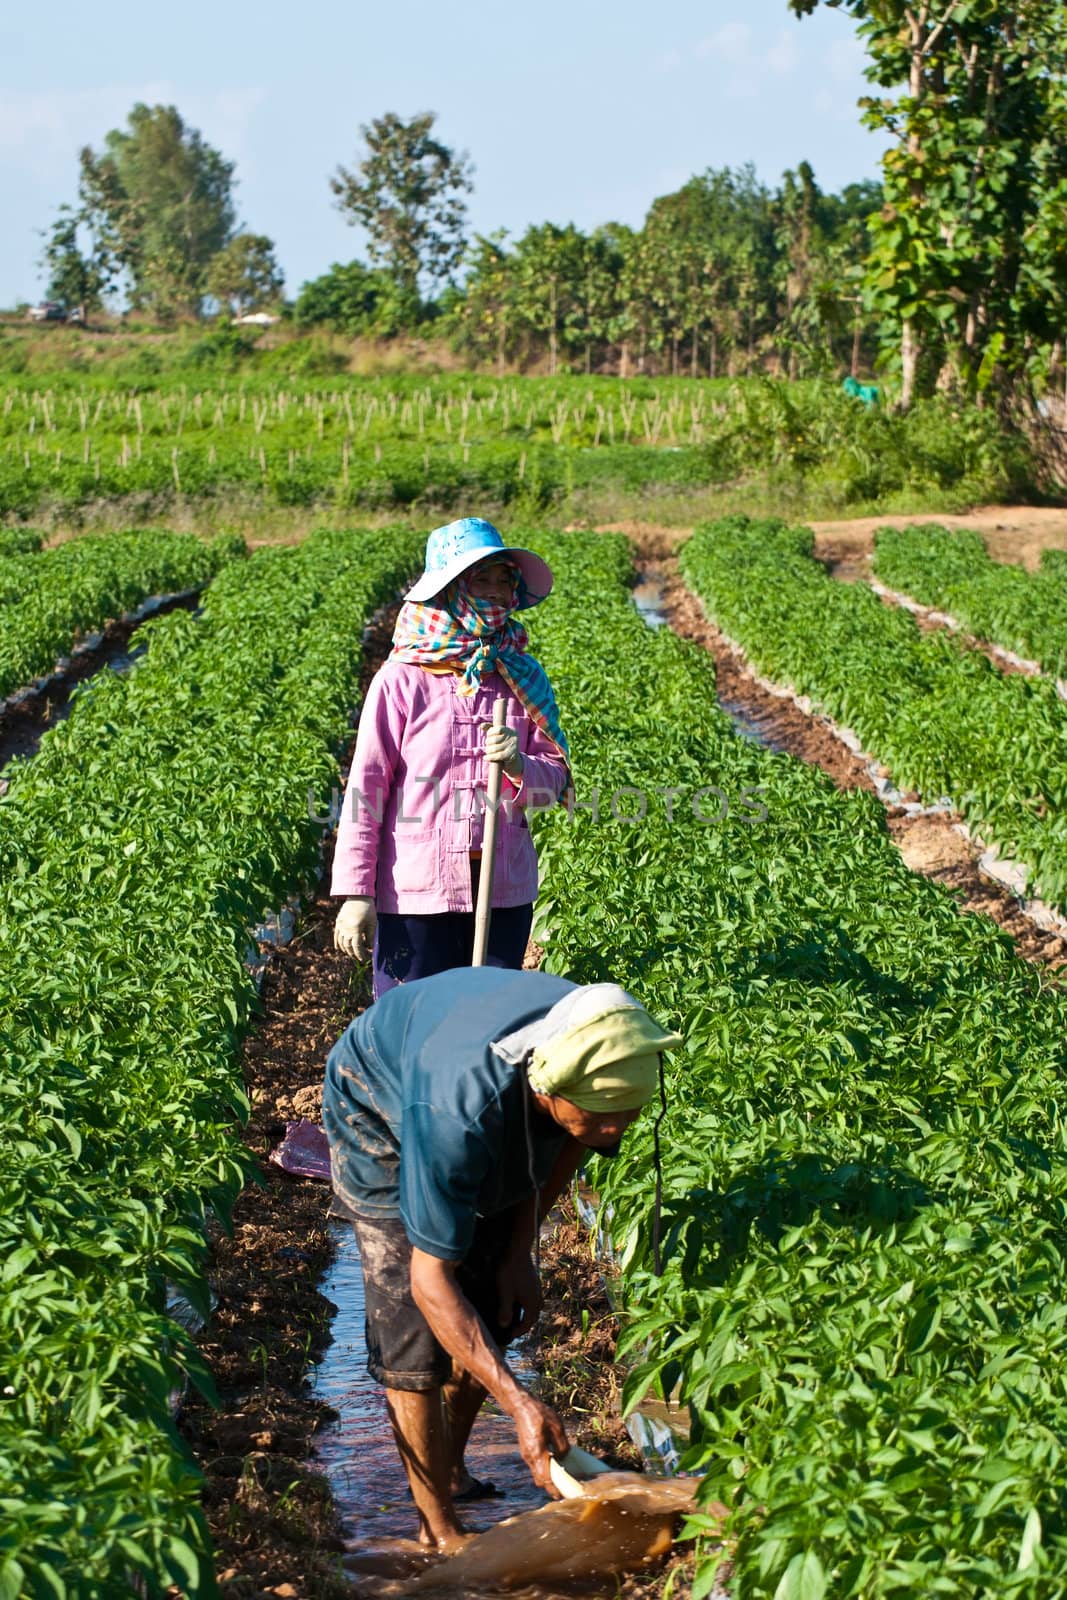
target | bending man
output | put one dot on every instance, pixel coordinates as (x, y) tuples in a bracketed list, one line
[(458, 1107)]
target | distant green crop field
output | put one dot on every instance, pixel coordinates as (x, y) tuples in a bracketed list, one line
[(412, 441)]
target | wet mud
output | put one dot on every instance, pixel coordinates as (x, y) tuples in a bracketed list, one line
[(930, 843)]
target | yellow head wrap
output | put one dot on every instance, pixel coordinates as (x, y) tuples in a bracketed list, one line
[(605, 1063)]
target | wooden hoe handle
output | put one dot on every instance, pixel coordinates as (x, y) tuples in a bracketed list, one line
[(484, 909)]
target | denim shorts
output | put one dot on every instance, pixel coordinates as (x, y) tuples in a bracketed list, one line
[(402, 1353)]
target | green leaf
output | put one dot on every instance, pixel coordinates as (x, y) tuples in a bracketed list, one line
[(1031, 1541), (803, 1579)]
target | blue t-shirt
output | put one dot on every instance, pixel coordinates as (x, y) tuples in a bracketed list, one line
[(425, 1121)]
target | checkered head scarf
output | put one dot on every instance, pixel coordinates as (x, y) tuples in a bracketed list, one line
[(484, 638)]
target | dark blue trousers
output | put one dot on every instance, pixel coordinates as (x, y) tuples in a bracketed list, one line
[(417, 945)]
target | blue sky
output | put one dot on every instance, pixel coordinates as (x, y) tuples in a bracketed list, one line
[(571, 113)]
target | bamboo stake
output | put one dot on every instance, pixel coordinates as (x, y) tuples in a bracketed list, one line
[(484, 909)]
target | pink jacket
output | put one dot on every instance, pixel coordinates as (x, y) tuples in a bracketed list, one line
[(414, 807)]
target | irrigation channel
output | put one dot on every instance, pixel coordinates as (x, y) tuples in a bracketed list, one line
[(26, 716), (932, 839), (358, 1454)]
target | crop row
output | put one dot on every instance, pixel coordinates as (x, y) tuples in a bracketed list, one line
[(1006, 605), (945, 720), (49, 598), (359, 474), (864, 1296), (137, 848), (18, 541), (385, 442)]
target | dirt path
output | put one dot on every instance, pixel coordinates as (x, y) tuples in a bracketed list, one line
[(929, 844), (1011, 533)]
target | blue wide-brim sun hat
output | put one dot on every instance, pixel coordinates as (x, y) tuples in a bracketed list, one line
[(459, 545)]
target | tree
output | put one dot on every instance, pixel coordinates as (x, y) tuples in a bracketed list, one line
[(245, 273), (485, 314), (159, 199), (353, 298), (550, 269), (981, 152), (710, 252), (407, 192), (75, 278)]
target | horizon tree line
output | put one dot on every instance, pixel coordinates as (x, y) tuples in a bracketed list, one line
[(951, 272)]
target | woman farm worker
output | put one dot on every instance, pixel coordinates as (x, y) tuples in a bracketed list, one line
[(409, 841)]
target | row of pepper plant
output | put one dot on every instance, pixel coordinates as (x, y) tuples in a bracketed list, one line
[(948, 723), (19, 541), (148, 835), (404, 440), (864, 1292), (49, 599), (1006, 605)]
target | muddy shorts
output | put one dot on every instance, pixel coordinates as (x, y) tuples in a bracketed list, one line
[(402, 1353)]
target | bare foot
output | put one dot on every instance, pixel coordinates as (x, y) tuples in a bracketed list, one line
[(453, 1539), (453, 1542)]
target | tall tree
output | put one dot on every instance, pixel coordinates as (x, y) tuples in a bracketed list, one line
[(160, 199), (407, 192), (980, 150), (485, 314), (714, 247), (245, 273), (550, 273)]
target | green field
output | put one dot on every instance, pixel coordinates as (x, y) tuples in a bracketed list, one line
[(865, 1162), (77, 448)]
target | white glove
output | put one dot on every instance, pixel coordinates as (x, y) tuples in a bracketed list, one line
[(502, 744), (353, 932)]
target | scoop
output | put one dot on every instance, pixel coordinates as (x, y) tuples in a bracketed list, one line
[(570, 1473)]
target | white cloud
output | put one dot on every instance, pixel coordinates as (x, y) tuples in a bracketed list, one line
[(41, 131), (783, 57), (750, 60), (732, 44)]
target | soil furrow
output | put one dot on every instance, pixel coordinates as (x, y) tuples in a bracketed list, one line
[(25, 719), (271, 1513), (929, 844), (847, 565)]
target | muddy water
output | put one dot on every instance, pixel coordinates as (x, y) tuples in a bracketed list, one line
[(649, 599), (358, 1453), (575, 1552)]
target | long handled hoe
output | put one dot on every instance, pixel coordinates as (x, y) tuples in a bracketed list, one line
[(484, 908)]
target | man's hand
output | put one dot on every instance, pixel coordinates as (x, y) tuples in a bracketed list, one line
[(519, 1288), (540, 1434), (502, 744), (353, 931)]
